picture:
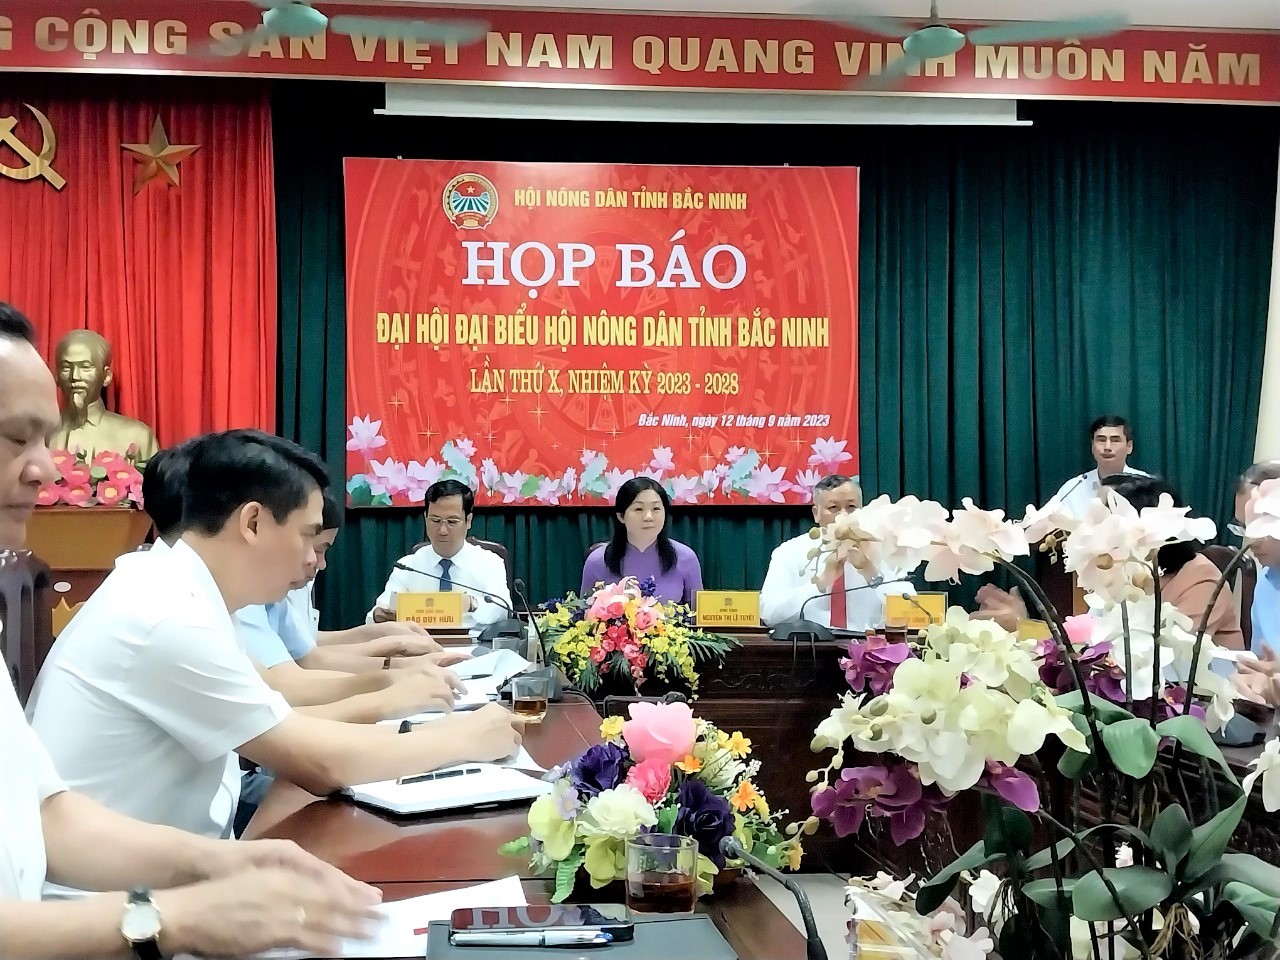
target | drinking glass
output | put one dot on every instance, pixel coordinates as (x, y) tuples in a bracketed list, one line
[(662, 873), (529, 696)]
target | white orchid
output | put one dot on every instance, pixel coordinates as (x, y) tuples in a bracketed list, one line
[(984, 896), (1266, 766), (1039, 717), (1262, 512), (973, 541), (1039, 522), (986, 652)]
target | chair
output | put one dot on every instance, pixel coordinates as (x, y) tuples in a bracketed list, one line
[(25, 584), (1242, 587), (616, 705), (491, 545)]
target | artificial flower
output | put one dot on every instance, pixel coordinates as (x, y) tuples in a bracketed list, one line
[(605, 860), (735, 743), (659, 731), (705, 817), (547, 826), (611, 729), (619, 812), (1036, 718), (652, 778), (599, 769), (745, 797), (1266, 767), (1124, 855), (690, 764), (1013, 785), (872, 663)]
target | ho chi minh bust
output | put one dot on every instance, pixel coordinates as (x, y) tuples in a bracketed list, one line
[(82, 363)]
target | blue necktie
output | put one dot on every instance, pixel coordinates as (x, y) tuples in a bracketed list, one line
[(446, 581)]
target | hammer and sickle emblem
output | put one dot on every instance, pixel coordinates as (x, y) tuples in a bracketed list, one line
[(38, 164)]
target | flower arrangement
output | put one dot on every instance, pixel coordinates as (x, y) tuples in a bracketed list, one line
[(623, 630), (884, 911), (664, 771), (108, 480), (743, 475), (1119, 705)]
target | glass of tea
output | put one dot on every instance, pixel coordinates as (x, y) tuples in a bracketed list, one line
[(895, 629), (529, 696), (662, 873)]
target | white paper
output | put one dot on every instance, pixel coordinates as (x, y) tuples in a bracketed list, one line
[(395, 935), (501, 664), (486, 783)]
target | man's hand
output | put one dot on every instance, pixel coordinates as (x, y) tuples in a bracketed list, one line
[(400, 645), (416, 691), (265, 907), (407, 627), (1265, 665), (227, 857), (447, 658), (1005, 607), (384, 615), (487, 735)]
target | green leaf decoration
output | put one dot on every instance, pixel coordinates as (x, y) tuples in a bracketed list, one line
[(1104, 711), (515, 848), (1255, 907), (1043, 858), (1008, 828), (566, 874), (1132, 746), (1045, 892), (593, 475), (935, 891), (1190, 732), (1072, 763), (360, 493), (381, 500), (1209, 840), (1138, 888), (1171, 836), (1248, 869), (667, 819), (740, 471)]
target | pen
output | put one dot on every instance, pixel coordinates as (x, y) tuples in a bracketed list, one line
[(533, 938), (442, 775)]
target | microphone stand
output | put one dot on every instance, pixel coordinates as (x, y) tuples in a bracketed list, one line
[(813, 948)]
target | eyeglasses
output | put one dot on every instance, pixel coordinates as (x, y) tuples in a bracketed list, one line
[(451, 522)]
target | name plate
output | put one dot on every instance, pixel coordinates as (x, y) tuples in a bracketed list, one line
[(728, 608), (917, 611), (430, 609), (1034, 630)]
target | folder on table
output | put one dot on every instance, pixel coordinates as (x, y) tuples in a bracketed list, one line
[(658, 937), (484, 784)]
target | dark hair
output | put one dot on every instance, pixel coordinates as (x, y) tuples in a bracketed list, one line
[(1259, 473), (616, 549), (831, 483), (163, 481), (14, 325), (236, 467), (332, 512), (1111, 420), (1143, 492), (452, 488)]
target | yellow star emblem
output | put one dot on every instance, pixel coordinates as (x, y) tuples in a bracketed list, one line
[(158, 157)]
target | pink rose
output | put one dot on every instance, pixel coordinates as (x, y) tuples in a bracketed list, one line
[(645, 619), (49, 495), (660, 731), (77, 496), (1080, 629), (652, 778)]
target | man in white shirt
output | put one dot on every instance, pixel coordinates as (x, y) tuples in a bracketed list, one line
[(448, 562), (241, 897), (1111, 441), (788, 584), (147, 695)]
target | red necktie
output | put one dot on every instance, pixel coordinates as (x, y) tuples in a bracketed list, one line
[(839, 613)]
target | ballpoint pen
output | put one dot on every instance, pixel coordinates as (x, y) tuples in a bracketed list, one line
[(532, 938), (440, 775)]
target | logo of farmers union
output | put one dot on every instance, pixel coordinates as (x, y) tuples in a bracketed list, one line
[(470, 201)]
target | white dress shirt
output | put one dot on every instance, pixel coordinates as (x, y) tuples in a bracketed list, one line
[(147, 694), (1080, 491), (475, 571), (27, 779), (788, 585)]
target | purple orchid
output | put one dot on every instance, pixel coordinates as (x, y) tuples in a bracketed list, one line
[(649, 587), (1173, 702), (893, 792), (872, 663), (1011, 784), (1102, 675)]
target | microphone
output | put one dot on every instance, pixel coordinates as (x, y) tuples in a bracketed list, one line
[(813, 948), (557, 691), (508, 627), (801, 627)]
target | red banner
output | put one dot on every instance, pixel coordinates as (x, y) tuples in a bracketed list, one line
[(545, 332), (639, 51)]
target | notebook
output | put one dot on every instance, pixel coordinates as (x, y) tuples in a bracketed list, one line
[(490, 784), (657, 938)]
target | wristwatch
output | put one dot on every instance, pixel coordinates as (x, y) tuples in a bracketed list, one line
[(140, 925)]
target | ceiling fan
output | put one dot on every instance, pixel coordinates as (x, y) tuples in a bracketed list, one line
[(300, 18), (937, 38)]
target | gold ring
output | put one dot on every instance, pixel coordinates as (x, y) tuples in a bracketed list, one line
[(302, 916)]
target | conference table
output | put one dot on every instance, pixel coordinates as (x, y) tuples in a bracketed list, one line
[(409, 857)]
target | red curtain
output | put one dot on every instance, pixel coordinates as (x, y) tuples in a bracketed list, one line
[(180, 280)]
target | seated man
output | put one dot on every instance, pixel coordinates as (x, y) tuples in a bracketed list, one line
[(788, 584), (1260, 679), (1111, 443), (147, 696), (448, 562), (239, 898)]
